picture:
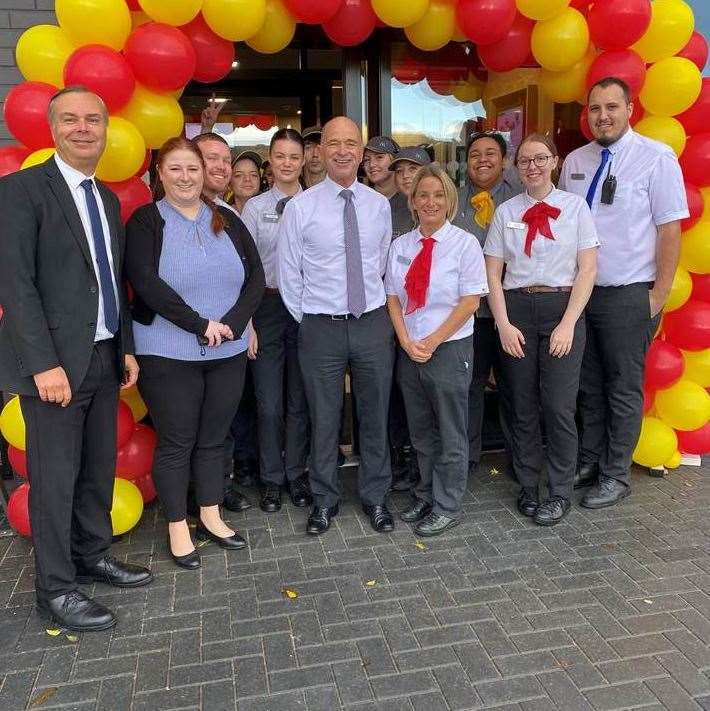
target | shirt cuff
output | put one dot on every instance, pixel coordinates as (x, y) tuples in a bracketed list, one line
[(469, 288), (667, 217)]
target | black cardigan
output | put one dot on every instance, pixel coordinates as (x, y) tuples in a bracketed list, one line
[(144, 244)]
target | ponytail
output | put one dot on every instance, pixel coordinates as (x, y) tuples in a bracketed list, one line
[(218, 222)]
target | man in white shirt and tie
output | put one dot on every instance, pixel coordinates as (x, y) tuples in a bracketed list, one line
[(634, 187), (332, 253)]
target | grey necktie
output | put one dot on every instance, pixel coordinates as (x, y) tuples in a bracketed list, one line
[(353, 257), (281, 204)]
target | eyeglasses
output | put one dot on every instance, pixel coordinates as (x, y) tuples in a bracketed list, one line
[(539, 161)]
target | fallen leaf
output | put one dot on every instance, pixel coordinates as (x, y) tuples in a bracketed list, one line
[(494, 471), (370, 583), (564, 663), (290, 594), (44, 696), (53, 632), (72, 637), (420, 545), (649, 602)]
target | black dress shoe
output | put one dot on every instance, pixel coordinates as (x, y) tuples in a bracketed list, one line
[(434, 524), (235, 501), (586, 475), (527, 502), (270, 499), (300, 492), (320, 518), (552, 511), (111, 571), (416, 512), (75, 611), (234, 542), (606, 493), (189, 561), (380, 517)]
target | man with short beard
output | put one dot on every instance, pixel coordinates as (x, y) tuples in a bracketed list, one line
[(379, 153)]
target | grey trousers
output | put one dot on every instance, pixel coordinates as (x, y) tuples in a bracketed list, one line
[(436, 397), (619, 333), (326, 347)]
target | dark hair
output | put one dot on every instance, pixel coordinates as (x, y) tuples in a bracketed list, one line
[(210, 136), (74, 89), (287, 134), (612, 81), (496, 136), (180, 143)]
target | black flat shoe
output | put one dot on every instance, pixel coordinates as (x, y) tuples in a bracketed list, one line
[(234, 542), (270, 499), (416, 512), (75, 611), (235, 501), (606, 493), (380, 517), (527, 503), (435, 524), (189, 561), (320, 518), (111, 571), (586, 475), (552, 511), (300, 492)]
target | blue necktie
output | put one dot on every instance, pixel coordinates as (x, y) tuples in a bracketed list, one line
[(105, 278), (606, 154)]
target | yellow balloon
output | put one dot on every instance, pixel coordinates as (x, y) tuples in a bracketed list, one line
[(127, 507), (124, 153), (665, 129), (400, 13), (235, 20), (468, 91), (656, 443), (436, 29), (671, 27), (671, 87), (680, 290), (541, 9), (175, 12), (695, 248), (276, 32), (560, 42), (565, 87), (139, 18), (38, 157), (41, 53), (683, 406), (675, 461), (94, 21), (12, 423), (156, 116), (697, 367), (705, 192), (132, 397)]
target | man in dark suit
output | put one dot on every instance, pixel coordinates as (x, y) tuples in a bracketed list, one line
[(65, 345)]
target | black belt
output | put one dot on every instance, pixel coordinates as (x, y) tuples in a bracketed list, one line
[(346, 317), (541, 289)]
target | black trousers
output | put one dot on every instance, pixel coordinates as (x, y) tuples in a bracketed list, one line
[(241, 440), (540, 381), (436, 396), (283, 442), (71, 458), (326, 347), (619, 333), (487, 356), (397, 426), (192, 404)]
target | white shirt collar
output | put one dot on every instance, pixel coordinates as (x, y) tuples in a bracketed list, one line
[(337, 188), (73, 176), (279, 195), (621, 143), (438, 236)]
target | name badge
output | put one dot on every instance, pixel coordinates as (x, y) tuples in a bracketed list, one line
[(517, 226), (270, 217), (403, 260), (578, 176)]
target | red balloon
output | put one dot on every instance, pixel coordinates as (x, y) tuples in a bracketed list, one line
[(689, 326), (26, 113), (162, 57), (584, 124), (104, 71), (12, 158), (581, 5), (615, 25), (486, 21), (512, 51), (146, 487), (313, 13), (695, 441), (648, 396), (696, 205), (701, 287), (124, 424), (664, 365), (133, 5), (135, 458), (695, 160), (146, 163), (696, 50), (695, 119), (213, 54), (636, 113), (352, 24), (621, 63), (18, 461), (18, 512), (131, 193)]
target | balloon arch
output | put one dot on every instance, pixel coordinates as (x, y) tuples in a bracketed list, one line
[(138, 55)]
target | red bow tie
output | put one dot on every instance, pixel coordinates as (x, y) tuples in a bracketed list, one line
[(416, 282), (537, 218)]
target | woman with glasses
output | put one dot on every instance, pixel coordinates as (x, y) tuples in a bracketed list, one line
[(546, 241)]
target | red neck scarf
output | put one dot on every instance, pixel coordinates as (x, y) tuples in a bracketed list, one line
[(537, 218), (416, 282)]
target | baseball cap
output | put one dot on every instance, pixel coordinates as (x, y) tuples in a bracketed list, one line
[(251, 155), (413, 154), (497, 136), (312, 133), (382, 144)]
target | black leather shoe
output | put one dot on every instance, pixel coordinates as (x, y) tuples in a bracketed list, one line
[(320, 518), (552, 511), (416, 512), (434, 524), (111, 571), (586, 475), (189, 561), (300, 492), (75, 611), (380, 517), (527, 503), (235, 501), (606, 493), (234, 542), (270, 499)]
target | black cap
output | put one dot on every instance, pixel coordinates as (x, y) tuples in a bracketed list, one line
[(251, 155), (312, 134), (497, 136), (413, 154), (382, 144)]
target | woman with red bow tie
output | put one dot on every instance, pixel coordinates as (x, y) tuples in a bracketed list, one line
[(546, 240), (435, 278)]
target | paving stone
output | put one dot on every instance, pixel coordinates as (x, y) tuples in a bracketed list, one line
[(620, 696)]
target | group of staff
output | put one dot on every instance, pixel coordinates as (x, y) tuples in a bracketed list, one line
[(309, 283)]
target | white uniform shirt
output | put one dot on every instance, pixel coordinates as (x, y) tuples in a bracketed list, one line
[(311, 249), (262, 221), (650, 192), (551, 262), (457, 269), (74, 179)]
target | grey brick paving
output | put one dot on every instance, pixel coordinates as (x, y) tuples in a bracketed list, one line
[(610, 610)]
